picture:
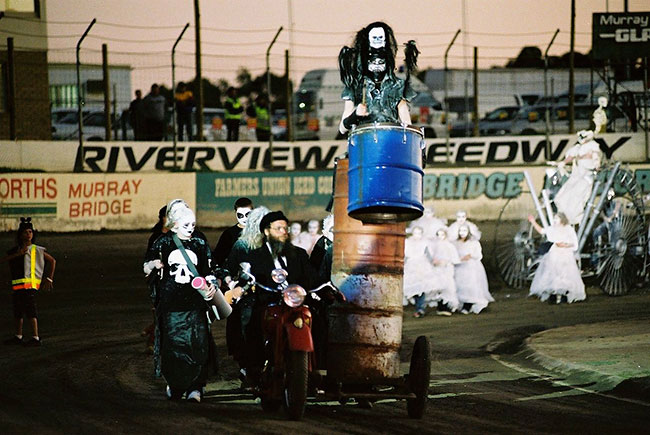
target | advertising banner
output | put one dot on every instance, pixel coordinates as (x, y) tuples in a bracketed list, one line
[(302, 195), (621, 35), (80, 202), (131, 157)]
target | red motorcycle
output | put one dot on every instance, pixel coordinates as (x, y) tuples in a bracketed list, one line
[(289, 346)]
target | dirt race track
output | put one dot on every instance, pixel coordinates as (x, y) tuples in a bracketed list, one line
[(92, 374)]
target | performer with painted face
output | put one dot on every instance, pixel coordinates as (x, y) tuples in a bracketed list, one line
[(557, 278), (471, 279), (243, 208), (574, 193), (181, 309), (373, 93), (461, 219)]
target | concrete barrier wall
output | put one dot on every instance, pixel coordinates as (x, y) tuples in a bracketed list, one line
[(80, 202)]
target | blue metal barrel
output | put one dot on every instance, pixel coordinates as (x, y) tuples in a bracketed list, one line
[(385, 174)]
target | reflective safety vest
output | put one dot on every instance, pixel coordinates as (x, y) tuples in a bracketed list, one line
[(235, 105), (262, 115), (34, 263)]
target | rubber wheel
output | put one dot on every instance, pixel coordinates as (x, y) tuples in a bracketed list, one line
[(295, 391), (418, 378)]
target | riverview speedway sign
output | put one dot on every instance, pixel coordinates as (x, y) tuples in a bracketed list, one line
[(110, 157)]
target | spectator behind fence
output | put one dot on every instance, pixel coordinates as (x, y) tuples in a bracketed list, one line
[(184, 100), (234, 111), (136, 116), (154, 114)]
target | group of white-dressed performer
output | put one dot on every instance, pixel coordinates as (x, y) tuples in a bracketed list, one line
[(442, 266)]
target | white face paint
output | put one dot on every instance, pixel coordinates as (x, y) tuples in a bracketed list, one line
[(295, 229), (461, 217), (441, 234), (184, 225), (242, 215), (417, 233), (556, 220), (585, 136), (312, 227), (463, 232), (602, 101), (377, 37)]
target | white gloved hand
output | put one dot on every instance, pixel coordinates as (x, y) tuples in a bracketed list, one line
[(151, 265), (209, 292)]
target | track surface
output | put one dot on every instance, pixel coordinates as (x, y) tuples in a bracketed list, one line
[(92, 375)]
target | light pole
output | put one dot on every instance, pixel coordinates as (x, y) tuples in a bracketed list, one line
[(268, 89), (445, 97), (546, 111), (198, 125), (79, 100)]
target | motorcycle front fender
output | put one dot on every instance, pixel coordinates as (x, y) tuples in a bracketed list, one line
[(299, 338)]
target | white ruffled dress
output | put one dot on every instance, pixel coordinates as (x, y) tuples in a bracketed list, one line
[(418, 270), (575, 192), (443, 287), (471, 279), (558, 273)]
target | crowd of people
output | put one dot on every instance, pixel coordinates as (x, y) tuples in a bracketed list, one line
[(442, 266), (178, 252), (148, 115)]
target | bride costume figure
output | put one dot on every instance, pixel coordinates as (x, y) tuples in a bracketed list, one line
[(471, 279), (461, 219), (429, 223), (444, 257), (557, 277), (574, 193), (418, 271)]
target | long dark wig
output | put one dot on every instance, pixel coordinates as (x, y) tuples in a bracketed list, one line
[(353, 61)]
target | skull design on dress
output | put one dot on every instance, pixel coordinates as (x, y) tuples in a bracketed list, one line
[(178, 266)]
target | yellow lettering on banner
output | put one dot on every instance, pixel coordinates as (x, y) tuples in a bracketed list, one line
[(276, 186), (236, 186), (304, 185), (325, 185)]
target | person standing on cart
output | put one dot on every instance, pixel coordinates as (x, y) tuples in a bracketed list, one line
[(373, 93)]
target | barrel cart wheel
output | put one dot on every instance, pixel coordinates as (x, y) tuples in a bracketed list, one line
[(619, 250), (516, 242), (419, 376)]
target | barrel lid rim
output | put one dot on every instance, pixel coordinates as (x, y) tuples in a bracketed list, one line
[(362, 128)]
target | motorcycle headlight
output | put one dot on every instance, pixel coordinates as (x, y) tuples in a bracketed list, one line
[(294, 295)]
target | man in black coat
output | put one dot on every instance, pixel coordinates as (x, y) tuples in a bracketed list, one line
[(243, 207), (276, 252)]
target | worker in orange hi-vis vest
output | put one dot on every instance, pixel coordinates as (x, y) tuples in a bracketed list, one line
[(27, 264)]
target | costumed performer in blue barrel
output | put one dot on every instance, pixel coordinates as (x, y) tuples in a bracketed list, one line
[(373, 93)]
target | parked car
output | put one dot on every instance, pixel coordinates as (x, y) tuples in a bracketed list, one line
[(93, 127), (495, 123), (531, 120)]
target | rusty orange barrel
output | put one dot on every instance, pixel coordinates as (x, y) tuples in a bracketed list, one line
[(365, 332)]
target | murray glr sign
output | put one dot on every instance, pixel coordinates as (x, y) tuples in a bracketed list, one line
[(621, 35)]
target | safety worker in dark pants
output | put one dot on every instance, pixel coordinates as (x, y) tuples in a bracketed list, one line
[(260, 111), (233, 115)]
